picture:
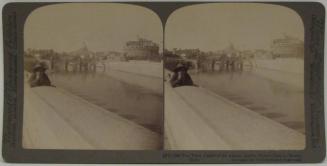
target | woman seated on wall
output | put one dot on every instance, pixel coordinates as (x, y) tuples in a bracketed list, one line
[(39, 77), (180, 76)]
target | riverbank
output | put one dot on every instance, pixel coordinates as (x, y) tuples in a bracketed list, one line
[(210, 122), (56, 119)]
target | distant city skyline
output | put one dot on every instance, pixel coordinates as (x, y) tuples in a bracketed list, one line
[(101, 26), (212, 27), (83, 45), (228, 45)]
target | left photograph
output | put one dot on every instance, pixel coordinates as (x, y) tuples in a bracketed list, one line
[(93, 78)]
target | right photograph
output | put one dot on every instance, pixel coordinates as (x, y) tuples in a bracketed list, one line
[(234, 78)]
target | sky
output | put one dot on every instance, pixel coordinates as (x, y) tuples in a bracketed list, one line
[(103, 27), (209, 27), (212, 27)]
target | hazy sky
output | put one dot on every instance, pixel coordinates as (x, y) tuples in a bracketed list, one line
[(103, 27), (211, 27)]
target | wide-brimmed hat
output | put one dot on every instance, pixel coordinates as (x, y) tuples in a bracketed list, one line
[(39, 67)]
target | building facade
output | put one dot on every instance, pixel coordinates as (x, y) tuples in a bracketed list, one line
[(142, 49), (287, 47)]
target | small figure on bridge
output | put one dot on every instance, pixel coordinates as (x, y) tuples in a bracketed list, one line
[(181, 77), (39, 77)]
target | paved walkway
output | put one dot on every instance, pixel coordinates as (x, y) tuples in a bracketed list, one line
[(56, 119), (196, 119)]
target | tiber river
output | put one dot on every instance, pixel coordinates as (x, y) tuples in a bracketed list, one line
[(277, 101), (132, 102), (280, 102)]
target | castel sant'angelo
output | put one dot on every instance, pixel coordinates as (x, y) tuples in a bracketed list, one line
[(141, 49)]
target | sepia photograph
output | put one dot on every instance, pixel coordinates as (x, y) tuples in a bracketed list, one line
[(234, 78), (93, 77), (163, 82)]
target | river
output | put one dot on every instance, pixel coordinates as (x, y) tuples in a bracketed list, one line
[(278, 101), (275, 100), (132, 102)]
